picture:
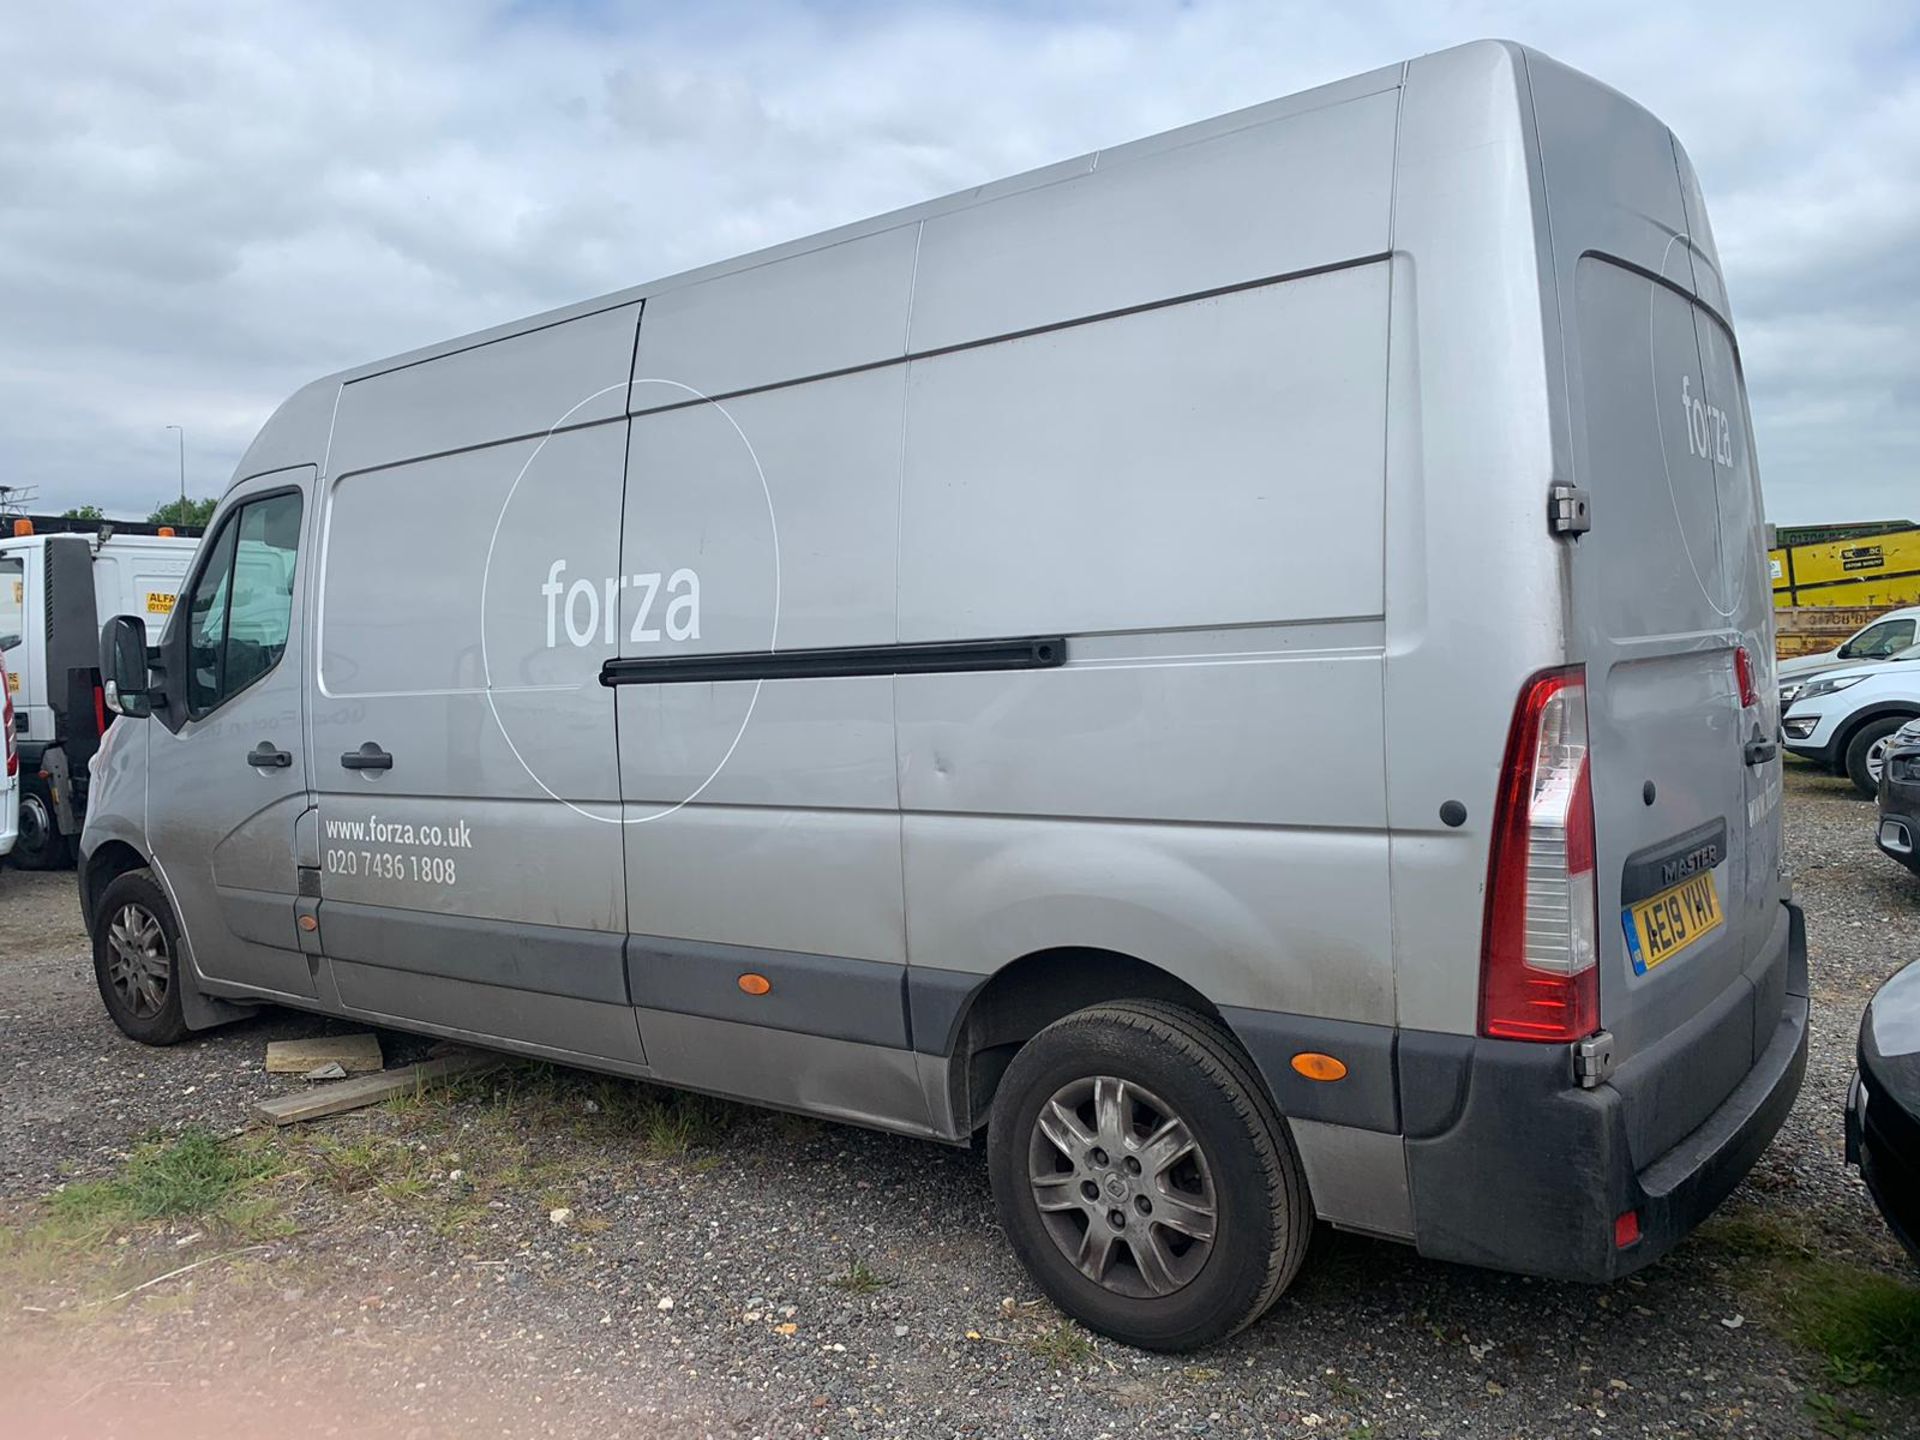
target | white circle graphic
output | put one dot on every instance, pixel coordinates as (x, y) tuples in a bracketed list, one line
[(1679, 525), (486, 575)]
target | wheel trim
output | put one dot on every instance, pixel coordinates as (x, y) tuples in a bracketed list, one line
[(36, 825), (139, 962), (1122, 1186), (1877, 758)]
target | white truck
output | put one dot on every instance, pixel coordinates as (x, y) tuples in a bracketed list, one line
[(54, 592)]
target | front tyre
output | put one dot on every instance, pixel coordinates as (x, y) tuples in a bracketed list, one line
[(1144, 1178), (136, 959)]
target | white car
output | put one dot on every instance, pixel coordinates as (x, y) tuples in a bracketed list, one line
[(1843, 718), (1882, 640), (10, 773)]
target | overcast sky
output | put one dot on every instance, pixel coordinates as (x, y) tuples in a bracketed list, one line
[(202, 206)]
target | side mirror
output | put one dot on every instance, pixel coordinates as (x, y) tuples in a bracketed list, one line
[(1845, 652), (123, 667)]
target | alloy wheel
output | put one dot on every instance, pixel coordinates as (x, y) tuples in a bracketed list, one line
[(1122, 1186), (141, 969)]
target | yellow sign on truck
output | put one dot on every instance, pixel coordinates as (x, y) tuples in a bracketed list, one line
[(1877, 571)]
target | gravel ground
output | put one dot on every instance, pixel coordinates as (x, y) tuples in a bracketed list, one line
[(755, 1275)]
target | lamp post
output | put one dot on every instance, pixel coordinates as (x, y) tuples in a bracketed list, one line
[(181, 431)]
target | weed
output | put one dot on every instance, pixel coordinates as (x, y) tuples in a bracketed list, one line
[(860, 1279), (1344, 1389), (1063, 1346), (1864, 1325), (351, 1167), (1833, 1417)]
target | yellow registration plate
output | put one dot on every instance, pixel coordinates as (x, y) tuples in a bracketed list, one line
[(1661, 926)]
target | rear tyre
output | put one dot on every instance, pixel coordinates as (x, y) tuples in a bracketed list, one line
[(1144, 1177), (40, 845), (1866, 753), (136, 959)]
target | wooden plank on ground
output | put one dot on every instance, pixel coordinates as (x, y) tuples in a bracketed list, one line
[(342, 1095), (355, 1054)]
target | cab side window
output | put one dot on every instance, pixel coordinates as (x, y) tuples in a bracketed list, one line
[(1876, 642), (240, 611)]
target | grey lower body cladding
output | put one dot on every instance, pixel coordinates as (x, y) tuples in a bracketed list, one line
[(1512, 1166), (1498, 1157)]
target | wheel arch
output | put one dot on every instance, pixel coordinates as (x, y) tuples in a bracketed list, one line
[(1865, 716), (108, 861), (1023, 997)]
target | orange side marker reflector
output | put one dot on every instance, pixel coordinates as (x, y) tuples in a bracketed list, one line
[(755, 984), (1315, 1066), (309, 923)]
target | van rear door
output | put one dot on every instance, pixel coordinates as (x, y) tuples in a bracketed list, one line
[(1668, 588)]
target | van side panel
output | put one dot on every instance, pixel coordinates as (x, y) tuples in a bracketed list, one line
[(557, 375), (443, 530), (1191, 495), (749, 802), (1275, 198), (830, 309), (1473, 579)]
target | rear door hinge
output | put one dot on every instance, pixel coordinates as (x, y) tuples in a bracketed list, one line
[(1569, 510), (1593, 1060)]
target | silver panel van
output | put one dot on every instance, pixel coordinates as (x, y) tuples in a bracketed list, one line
[(1236, 667)]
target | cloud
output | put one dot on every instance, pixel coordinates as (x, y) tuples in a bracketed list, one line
[(204, 205)]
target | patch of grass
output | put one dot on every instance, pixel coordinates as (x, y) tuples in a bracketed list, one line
[(860, 1279), (1064, 1346), (194, 1175), (1864, 1325), (68, 1240)]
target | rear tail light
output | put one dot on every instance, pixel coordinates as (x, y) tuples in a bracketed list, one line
[(1743, 673), (1538, 973)]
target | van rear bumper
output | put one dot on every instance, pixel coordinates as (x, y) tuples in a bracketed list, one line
[(1511, 1165)]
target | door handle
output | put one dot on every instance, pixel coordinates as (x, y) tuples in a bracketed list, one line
[(368, 757), (266, 756), (1759, 752)]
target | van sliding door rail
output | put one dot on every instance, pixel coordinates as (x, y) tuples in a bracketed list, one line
[(1034, 652)]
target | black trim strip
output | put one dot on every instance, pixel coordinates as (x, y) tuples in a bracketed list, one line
[(1697, 851), (511, 954), (1034, 652), (830, 996)]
